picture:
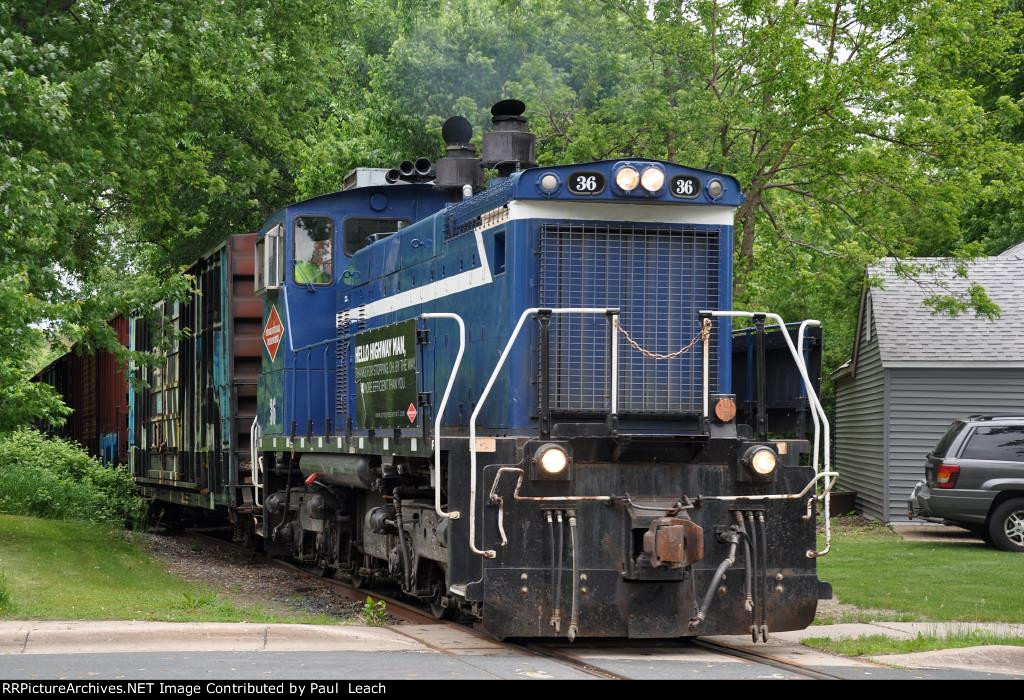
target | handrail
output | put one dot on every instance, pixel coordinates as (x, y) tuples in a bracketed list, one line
[(327, 393), (812, 396), (814, 411), (254, 456), (490, 553), (452, 515)]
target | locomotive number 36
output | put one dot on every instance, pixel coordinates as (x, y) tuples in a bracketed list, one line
[(685, 186), (586, 183)]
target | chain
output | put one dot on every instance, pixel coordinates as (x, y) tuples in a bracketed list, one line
[(702, 337)]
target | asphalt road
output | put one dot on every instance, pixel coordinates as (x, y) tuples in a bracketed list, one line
[(34, 650), (355, 665)]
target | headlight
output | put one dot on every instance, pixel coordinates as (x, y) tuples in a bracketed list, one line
[(653, 179), (552, 459), (715, 189), (627, 178), (762, 460), (549, 183)]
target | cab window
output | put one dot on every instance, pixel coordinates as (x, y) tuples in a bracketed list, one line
[(313, 238), (360, 233)]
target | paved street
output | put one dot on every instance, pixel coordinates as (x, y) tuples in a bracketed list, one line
[(197, 651)]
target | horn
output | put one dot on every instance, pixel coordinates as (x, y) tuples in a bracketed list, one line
[(422, 165)]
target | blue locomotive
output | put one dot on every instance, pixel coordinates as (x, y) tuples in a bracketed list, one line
[(515, 401)]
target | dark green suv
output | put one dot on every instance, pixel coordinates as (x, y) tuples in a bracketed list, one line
[(974, 478)]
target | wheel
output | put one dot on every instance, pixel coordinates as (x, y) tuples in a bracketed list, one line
[(250, 540), (1006, 525), (981, 532), (437, 602), (324, 571), (361, 582), (438, 589), (169, 516)]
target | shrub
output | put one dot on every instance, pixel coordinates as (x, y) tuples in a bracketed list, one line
[(51, 478), (374, 612)]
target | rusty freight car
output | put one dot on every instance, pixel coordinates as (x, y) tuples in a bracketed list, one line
[(94, 386)]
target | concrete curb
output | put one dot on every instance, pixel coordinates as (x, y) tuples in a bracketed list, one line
[(44, 637), (786, 646), (987, 659)]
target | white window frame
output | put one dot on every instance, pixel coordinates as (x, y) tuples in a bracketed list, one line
[(266, 275)]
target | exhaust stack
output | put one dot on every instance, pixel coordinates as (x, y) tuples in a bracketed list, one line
[(460, 166), (510, 145)]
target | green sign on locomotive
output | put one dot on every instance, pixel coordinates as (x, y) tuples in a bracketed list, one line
[(385, 365)]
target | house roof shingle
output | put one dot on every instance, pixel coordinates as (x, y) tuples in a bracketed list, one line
[(1015, 251), (909, 333)]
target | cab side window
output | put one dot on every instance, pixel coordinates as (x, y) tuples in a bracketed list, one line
[(314, 254), (360, 233), (998, 443)]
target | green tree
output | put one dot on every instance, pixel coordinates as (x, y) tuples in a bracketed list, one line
[(134, 136), (857, 130)]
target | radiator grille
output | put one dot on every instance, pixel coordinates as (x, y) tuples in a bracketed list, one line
[(660, 276)]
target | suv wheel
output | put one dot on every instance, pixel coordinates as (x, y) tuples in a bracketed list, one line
[(1006, 525)]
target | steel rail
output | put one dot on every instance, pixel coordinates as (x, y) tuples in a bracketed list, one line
[(760, 658)]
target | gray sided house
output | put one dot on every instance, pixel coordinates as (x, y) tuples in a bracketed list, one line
[(912, 372)]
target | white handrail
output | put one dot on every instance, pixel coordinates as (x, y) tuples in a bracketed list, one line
[(798, 358), (814, 410), (706, 372), (826, 495), (490, 553), (453, 515), (257, 483)]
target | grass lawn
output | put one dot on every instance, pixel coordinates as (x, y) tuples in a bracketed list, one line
[(67, 570), (871, 567), (877, 644)]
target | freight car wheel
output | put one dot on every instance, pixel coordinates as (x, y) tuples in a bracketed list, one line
[(250, 540), (167, 516)]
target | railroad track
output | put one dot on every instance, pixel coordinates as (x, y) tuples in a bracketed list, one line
[(414, 614), (756, 657)]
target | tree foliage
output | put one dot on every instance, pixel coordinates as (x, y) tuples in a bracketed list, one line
[(135, 135)]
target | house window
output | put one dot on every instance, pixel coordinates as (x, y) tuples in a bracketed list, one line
[(313, 239)]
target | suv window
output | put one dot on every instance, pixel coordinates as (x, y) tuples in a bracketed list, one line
[(942, 449), (1000, 443)]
